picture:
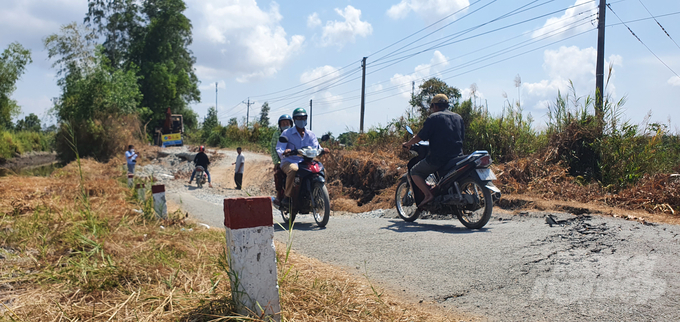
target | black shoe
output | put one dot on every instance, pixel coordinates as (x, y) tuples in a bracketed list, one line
[(285, 202)]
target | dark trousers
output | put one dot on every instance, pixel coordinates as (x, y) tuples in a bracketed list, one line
[(238, 179)]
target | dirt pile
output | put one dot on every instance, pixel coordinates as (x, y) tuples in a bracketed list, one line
[(655, 194), (361, 181)]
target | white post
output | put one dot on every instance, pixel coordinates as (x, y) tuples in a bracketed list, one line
[(141, 192), (252, 258), (131, 178), (159, 203)]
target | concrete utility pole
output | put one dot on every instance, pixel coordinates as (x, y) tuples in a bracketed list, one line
[(310, 115), (215, 96), (248, 110), (599, 68), (363, 92), (413, 93)]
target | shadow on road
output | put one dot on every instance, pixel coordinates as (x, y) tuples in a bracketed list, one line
[(302, 226), (400, 226)]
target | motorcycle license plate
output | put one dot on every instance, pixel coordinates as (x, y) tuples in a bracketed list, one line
[(486, 174)]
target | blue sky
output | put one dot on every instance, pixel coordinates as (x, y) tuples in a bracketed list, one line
[(252, 49)]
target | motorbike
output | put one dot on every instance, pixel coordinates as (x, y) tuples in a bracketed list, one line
[(310, 194), (201, 176), (464, 187)]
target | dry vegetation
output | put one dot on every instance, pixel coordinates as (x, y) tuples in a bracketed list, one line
[(67, 257)]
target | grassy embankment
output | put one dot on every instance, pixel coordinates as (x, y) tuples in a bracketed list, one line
[(13, 144), (74, 249)]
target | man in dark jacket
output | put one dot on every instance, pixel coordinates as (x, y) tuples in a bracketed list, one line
[(202, 160), (445, 132)]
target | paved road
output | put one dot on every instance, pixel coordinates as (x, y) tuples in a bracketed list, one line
[(515, 269)]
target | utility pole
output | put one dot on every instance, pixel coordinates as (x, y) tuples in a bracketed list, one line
[(413, 94), (363, 92), (248, 110), (599, 68), (216, 96), (310, 115)]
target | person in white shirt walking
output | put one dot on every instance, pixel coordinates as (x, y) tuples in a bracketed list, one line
[(239, 164), (131, 158)]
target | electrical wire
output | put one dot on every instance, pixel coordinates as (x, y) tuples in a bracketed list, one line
[(640, 40), (658, 23)]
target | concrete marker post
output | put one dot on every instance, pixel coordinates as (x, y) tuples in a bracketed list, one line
[(131, 178), (252, 258), (159, 203), (141, 192)]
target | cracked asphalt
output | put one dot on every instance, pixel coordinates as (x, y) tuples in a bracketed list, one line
[(518, 268)]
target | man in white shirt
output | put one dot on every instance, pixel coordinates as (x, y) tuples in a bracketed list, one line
[(131, 158), (238, 166)]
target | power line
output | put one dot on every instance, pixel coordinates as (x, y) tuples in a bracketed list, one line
[(640, 40), (658, 23)]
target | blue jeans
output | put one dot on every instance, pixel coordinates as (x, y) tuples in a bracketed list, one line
[(194, 173)]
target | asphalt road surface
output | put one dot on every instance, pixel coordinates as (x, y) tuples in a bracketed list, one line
[(517, 268)]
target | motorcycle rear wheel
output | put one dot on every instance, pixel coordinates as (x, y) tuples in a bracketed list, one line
[(475, 219), (199, 179), (322, 205), (405, 202)]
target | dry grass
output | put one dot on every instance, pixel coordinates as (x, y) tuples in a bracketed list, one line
[(69, 258)]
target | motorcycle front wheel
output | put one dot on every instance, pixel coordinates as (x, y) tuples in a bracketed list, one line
[(287, 217), (405, 202), (476, 215), (322, 204)]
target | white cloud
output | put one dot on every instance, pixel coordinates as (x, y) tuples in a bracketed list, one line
[(313, 20), (581, 10), (339, 33), (244, 40), (421, 73), (318, 78), (564, 65), (320, 75), (675, 81), (427, 9)]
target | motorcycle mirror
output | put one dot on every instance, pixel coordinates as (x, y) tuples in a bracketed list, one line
[(408, 129), (283, 139), (325, 138)]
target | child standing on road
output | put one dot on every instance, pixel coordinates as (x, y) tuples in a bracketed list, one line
[(238, 176)]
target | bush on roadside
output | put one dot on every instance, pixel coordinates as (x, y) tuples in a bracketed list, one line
[(13, 144)]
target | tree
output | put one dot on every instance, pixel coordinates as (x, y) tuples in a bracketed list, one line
[(161, 50), (210, 122), (232, 122), (264, 115), (430, 88), (30, 123), (13, 61), (118, 21), (73, 49)]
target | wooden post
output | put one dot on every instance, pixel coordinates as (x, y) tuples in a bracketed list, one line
[(252, 258)]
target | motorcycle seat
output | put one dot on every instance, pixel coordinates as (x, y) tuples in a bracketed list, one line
[(450, 165)]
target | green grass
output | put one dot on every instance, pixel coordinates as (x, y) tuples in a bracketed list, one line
[(15, 143)]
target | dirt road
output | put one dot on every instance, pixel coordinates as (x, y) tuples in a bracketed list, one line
[(517, 268)]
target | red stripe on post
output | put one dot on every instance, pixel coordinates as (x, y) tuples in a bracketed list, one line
[(157, 188), (131, 175), (248, 212), (140, 186)]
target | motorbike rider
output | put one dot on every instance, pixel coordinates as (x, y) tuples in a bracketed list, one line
[(298, 137), (201, 159), (445, 132), (285, 122)]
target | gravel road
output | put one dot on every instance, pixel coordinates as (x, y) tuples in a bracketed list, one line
[(517, 268)]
